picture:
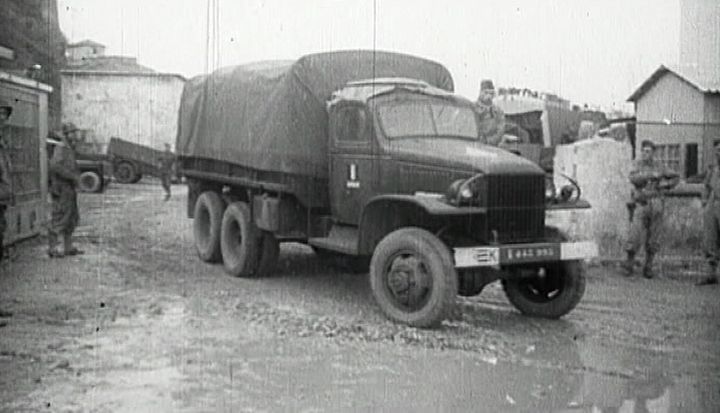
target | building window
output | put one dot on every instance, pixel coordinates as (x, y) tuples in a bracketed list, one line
[(691, 160), (669, 155)]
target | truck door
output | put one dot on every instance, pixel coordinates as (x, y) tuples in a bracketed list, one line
[(353, 171)]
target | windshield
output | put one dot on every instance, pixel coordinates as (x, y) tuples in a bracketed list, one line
[(418, 118)]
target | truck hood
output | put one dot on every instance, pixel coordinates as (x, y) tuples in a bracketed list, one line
[(461, 155)]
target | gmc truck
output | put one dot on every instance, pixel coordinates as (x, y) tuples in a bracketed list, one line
[(371, 155)]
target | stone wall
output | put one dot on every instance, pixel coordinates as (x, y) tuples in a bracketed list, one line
[(601, 167), (141, 108), (31, 29)]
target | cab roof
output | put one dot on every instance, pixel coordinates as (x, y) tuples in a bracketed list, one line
[(364, 90)]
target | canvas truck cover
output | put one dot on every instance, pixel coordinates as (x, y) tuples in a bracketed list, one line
[(272, 116)]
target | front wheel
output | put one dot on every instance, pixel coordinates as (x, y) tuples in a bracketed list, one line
[(413, 278), (548, 291)]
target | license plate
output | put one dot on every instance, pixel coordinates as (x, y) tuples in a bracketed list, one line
[(530, 253)]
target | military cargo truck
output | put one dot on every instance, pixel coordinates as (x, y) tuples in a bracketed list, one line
[(370, 154)]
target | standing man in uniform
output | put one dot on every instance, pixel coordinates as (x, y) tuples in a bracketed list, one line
[(711, 218), (166, 170), (6, 189), (64, 176), (649, 179), (491, 117)]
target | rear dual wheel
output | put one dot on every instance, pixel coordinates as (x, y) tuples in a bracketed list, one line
[(246, 250)]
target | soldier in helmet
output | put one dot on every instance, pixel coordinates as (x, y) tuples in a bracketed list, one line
[(64, 176), (649, 179), (491, 117)]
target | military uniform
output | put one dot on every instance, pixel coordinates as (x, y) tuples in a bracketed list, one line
[(64, 175), (649, 178), (711, 222), (491, 122)]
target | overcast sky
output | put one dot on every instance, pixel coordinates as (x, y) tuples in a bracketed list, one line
[(589, 51)]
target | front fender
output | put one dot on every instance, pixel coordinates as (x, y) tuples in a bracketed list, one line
[(386, 213)]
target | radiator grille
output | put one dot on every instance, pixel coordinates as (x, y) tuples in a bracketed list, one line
[(516, 207)]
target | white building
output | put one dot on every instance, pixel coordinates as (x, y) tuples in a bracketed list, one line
[(114, 96)]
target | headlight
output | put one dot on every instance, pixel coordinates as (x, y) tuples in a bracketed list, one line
[(568, 193), (466, 191)]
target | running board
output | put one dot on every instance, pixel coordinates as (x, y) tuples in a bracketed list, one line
[(343, 239)]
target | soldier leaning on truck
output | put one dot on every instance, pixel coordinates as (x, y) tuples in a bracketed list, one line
[(491, 117), (166, 170), (711, 218), (64, 175), (649, 179)]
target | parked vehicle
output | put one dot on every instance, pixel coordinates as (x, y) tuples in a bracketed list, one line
[(131, 160), (95, 169), (370, 155)]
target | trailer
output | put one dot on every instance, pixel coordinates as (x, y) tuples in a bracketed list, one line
[(130, 161), (24, 137)]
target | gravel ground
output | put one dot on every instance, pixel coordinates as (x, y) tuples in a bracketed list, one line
[(138, 323)]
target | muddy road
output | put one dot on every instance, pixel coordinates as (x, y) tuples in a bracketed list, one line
[(138, 323)]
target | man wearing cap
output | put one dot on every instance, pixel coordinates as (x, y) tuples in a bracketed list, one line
[(649, 179), (166, 169), (6, 189), (64, 176), (491, 117), (711, 218)]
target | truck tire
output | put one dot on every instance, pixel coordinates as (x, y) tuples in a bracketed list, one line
[(239, 240), (90, 181), (206, 226), (268, 250), (125, 172), (413, 278), (550, 294)]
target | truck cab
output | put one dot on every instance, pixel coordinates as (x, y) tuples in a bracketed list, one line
[(411, 188)]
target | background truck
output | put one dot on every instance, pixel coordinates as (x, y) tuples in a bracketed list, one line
[(369, 154), (131, 160), (95, 169)]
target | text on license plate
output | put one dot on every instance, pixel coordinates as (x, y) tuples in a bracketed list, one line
[(547, 252)]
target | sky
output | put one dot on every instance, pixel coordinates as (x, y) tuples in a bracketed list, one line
[(589, 51)]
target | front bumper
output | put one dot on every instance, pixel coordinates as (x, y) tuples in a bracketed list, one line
[(511, 254)]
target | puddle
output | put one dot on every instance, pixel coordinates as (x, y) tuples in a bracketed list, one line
[(300, 376)]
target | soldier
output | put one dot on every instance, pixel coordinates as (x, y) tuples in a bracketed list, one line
[(166, 170), (64, 176), (650, 179), (711, 218), (6, 190), (491, 117)]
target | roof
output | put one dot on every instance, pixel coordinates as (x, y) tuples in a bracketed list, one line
[(702, 85), (86, 43), (108, 64)]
